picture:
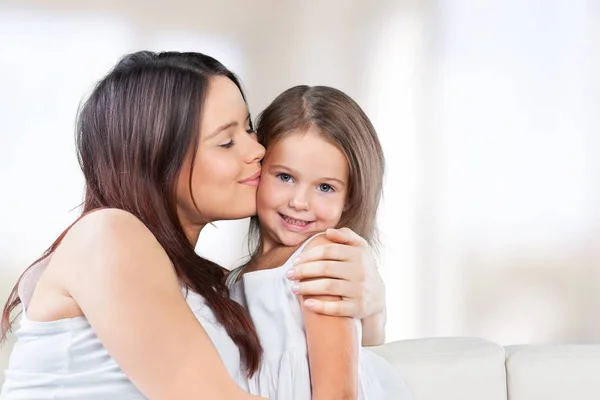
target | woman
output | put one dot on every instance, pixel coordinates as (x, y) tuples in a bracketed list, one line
[(121, 306)]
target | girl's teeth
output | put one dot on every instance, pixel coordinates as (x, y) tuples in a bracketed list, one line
[(294, 221)]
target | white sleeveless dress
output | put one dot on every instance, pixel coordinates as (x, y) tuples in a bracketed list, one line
[(284, 373), (65, 360)]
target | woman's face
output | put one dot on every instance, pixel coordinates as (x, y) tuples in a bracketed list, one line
[(226, 171)]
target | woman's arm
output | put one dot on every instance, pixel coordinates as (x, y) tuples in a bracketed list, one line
[(373, 329), (125, 285), (332, 349), (345, 268)]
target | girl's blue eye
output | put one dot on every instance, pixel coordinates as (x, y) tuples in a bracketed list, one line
[(325, 188), (285, 177)]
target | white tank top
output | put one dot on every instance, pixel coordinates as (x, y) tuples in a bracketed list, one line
[(65, 360)]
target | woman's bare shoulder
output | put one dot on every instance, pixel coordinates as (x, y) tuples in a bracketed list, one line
[(108, 241), (109, 225)]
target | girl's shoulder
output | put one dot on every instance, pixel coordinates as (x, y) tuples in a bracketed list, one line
[(316, 240)]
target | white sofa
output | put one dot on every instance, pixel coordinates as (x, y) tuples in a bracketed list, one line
[(476, 369)]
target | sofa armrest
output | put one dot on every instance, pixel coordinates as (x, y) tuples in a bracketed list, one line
[(553, 372), (449, 368)]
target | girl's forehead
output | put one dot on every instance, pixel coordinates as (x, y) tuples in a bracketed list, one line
[(308, 154)]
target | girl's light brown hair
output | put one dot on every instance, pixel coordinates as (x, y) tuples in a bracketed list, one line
[(340, 121)]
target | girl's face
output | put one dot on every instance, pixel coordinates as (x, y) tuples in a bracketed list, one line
[(226, 172), (303, 188)]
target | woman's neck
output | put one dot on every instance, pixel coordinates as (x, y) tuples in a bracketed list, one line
[(192, 232)]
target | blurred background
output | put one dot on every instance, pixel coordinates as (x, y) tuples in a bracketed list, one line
[(488, 110)]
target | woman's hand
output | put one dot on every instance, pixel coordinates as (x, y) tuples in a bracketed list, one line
[(346, 269)]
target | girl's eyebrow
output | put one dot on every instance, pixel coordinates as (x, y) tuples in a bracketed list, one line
[(279, 166)]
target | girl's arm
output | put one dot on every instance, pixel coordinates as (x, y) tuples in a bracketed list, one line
[(332, 349), (124, 284)]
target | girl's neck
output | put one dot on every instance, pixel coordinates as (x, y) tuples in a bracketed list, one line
[(268, 245), (272, 254)]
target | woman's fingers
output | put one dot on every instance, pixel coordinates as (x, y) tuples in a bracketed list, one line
[(320, 269), (329, 287), (345, 236), (340, 308), (337, 252)]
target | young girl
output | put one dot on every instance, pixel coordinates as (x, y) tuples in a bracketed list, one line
[(323, 169)]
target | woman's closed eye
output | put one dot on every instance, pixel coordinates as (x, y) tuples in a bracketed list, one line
[(228, 144)]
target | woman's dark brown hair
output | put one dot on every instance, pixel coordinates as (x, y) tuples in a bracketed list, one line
[(133, 135)]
